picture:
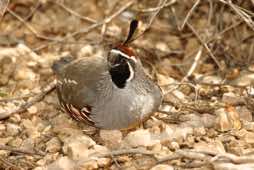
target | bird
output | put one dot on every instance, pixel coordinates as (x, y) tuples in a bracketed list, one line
[(111, 91)]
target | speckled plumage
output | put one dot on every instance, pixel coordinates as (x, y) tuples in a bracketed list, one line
[(110, 91), (87, 82)]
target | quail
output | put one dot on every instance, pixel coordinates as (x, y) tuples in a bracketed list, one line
[(110, 91)]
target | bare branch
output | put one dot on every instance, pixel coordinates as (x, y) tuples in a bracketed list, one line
[(26, 105)]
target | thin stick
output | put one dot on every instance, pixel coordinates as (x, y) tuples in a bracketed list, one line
[(194, 65), (93, 26), (189, 14), (120, 152), (74, 13), (30, 27), (243, 15), (26, 105), (19, 150), (3, 6), (9, 164), (205, 45), (124, 152), (16, 98), (157, 8)]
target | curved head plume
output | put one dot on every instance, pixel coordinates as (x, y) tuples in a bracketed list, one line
[(122, 60), (132, 29)]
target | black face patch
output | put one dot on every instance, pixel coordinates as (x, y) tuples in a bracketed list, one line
[(119, 71)]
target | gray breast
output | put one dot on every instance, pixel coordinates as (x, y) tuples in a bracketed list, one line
[(121, 108)]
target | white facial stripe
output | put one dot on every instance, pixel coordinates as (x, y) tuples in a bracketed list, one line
[(131, 72), (123, 54)]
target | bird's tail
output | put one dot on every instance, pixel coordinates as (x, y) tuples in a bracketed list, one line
[(58, 64)]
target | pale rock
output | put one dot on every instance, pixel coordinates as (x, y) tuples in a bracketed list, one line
[(141, 137), (174, 145), (231, 98), (181, 133), (23, 50), (4, 141), (250, 90), (2, 127), (53, 145), (103, 162), (49, 158), (85, 51), (248, 125), (157, 147), (213, 146), (171, 97), (249, 137), (98, 149), (162, 167), (32, 110), (15, 118), (251, 66), (162, 46), (199, 131), (87, 165), (7, 66), (234, 118), (113, 30), (63, 163), (192, 120), (231, 166), (40, 168), (111, 138), (164, 80), (244, 113), (68, 128), (210, 79), (208, 120), (244, 79), (13, 129), (77, 146), (31, 128), (17, 142), (28, 144), (167, 134), (24, 74), (175, 133), (180, 95), (222, 121)]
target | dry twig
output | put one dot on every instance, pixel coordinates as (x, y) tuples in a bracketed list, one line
[(189, 14), (87, 19), (194, 65), (120, 152), (32, 29), (19, 150), (206, 46), (239, 11), (8, 164), (16, 98), (3, 6), (157, 8), (93, 26), (26, 105)]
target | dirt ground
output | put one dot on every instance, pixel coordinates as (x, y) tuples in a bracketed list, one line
[(201, 53)]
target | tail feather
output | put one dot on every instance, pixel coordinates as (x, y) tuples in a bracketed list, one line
[(58, 64)]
